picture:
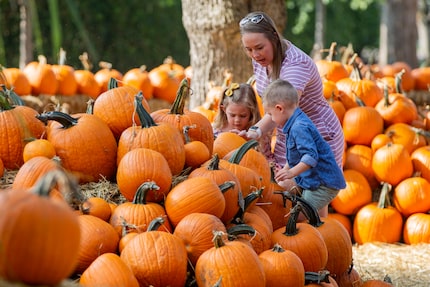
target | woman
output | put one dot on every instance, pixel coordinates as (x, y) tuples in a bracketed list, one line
[(274, 57)]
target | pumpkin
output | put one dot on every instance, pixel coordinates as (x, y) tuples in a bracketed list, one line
[(412, 195), (18, 125), (350, 278), (98, 207), (378, 221), (104, 75), (144, 165), (180, 117), (393, 69), (196, 230), (319, 279), (138, 78), (82, 141), (41, 77), (1, 168), (230, 263), (342, 219), (14, 78), (116, 107), (379, 140), (161, 137), (226, 142), (376, 283), (219, 175), (359, 158), (38, 147), (361, 124), (392, 164), (197, 194), (65, 75), (420, 160), (196, 152), (97, 237), (157, 258), (330, 69), (330, 90), (283, 268), (355, 195), (416, 227), (39, 235), (408, 136), (135, 216), (356, 88), (108, 270), (421, 77), (338, 108), (304, 240), (336, 238), (166, 79)]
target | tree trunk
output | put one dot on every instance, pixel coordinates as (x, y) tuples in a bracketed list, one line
[(215, 45), (423, 23), (320, 15), (398, 32), (25, 34)]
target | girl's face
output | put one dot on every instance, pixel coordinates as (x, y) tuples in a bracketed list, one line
[(238, 116), (258, 47)]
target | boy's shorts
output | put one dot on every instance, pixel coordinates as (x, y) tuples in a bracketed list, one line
[(320, 197)]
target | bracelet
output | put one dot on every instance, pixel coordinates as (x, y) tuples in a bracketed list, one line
[(257, 130)]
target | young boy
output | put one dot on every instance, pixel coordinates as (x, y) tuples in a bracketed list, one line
[(310, 161)]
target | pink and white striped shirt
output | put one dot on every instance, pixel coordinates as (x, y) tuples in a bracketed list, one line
[(300, 70)]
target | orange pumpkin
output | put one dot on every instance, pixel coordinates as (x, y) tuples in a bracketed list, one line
[(361, 124), (421, 77), (226, 142), (41, 77), (31, 254), (221, 262), (412, 195), (196, 152), (38, 147), (359, 157), (408, 136), (408, 82), (108, 270), (98, 207), (65, 76), (16, 79), (139, 79), (197, 194), (416, 227), (421, 161), (105, 74), (396, 108), (87, 84), (331, 69), (378, 221)]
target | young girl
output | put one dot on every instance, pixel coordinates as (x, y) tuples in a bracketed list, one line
[(238, 109)]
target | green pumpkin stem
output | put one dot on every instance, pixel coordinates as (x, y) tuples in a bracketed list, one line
[(145, 118), (142, 191), (156, 223), (317, 277), (384, 198), (291, 227), (242, 150), (311, 213), (112, 84), (64, 119), (214, 162), (181, 96), (247, 201), (227, 185), (238, 229)]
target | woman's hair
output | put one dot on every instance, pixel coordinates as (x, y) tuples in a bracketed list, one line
[(239, 94), (260, 22), (280, 92)]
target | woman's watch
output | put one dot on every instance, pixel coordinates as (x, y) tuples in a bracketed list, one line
[(257, 130)]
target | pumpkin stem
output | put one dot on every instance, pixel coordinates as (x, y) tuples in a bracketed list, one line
[(64, 119), (142, 191), (242, 150), (311, 213), (214, 162), (278, 248), (181, 96), (185, 132), (112, 84), (217, 240), (156, 223), (356, 73), (145, 118), (248, 200), (68, 186), (90, 107), (8, 98), (226, 186), (85, 61), (332, 51), (291, 227), (386, 96), (317, 277), (238, 229), (384, 199), (398, 81)]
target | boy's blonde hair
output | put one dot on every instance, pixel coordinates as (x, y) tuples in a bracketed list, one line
[(280, 92), (239, 94)]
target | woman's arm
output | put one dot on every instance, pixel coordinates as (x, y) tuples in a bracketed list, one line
[(265, 124)]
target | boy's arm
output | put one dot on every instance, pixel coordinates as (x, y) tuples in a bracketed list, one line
[(289, 173), (265, 124)]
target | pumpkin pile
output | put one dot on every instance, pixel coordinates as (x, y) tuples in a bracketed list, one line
[(191, 210)]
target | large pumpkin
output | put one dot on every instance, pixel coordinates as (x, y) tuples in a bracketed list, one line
[(180, 117), (231, 263), (18, 124), (361, 124), (39, 236), (84, 143)]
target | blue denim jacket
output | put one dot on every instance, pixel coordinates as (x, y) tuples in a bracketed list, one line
[(305, 144)]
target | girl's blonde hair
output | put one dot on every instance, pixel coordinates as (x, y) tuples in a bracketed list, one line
[(239, 94), (280, 92), (260, 22)]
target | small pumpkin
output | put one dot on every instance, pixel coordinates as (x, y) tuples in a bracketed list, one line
[(41, 77), (105, 73), (65, 75), (412, 195), (139, 79), (415, 229), (38, 147), (16, 79)]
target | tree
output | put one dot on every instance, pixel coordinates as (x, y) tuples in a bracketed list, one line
[(213, 32)]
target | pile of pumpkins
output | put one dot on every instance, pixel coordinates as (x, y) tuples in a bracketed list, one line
[(199, 211)]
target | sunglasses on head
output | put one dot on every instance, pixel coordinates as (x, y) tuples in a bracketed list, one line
[(254, 19)]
